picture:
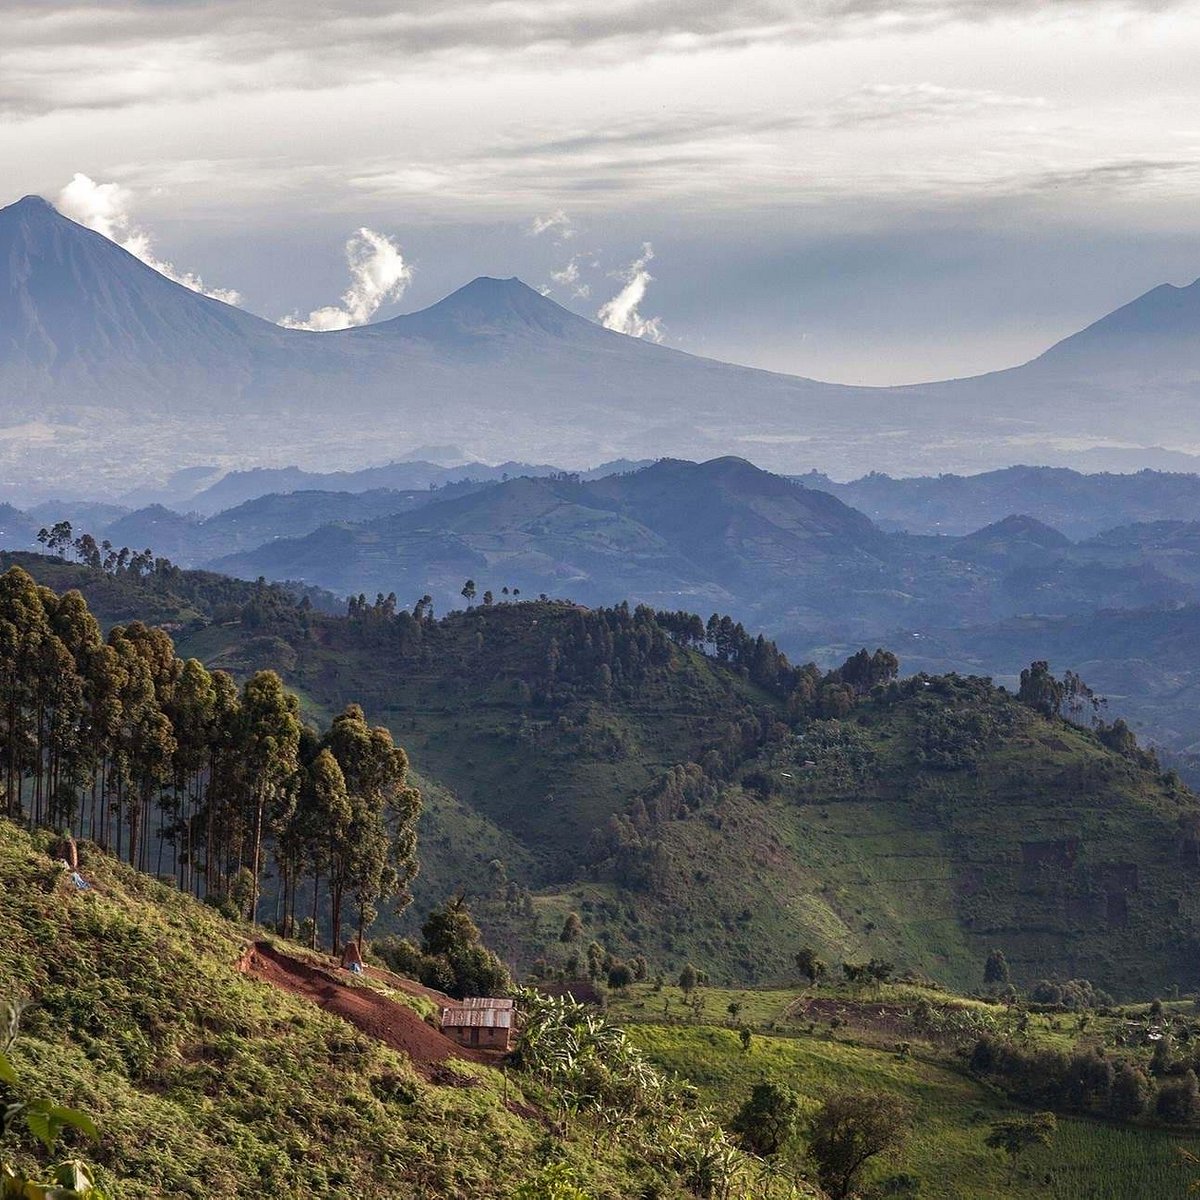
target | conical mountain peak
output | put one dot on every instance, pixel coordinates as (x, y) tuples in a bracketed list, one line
[(30, 204), (489, 307)]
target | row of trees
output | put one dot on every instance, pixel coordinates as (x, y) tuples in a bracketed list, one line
[(100, 556), (1089, 1081), (179, 771)]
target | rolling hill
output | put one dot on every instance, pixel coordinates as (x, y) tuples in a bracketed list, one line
[(928, 821), (1079, 505), (724, 534)]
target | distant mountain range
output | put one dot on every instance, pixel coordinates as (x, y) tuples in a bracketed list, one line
[(1076, 504), (112, 372)]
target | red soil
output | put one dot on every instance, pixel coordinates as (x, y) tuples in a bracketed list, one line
[(385, 1020)]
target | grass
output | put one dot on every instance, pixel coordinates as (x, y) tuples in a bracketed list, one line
[(952, 1115), (207, 1084)]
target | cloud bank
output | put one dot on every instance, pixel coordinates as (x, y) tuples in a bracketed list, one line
[(378, 275), (105, 208), (113, 53), (621, 312)]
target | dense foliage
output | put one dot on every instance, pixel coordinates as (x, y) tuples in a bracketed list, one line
[(180, 772)]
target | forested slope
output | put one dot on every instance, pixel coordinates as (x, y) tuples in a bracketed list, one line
[(691, 794)]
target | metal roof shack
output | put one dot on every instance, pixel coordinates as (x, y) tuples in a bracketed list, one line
[(479, 1021)]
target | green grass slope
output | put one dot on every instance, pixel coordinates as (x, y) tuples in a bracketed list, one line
[(952, 1112), (208, 1084), (928, 828)]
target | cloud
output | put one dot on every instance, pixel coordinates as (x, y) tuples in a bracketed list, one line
[(378, 274), (123, 52), (1135, 175), (621, 312), (558, 221), (880, 103), (105, 207), (569, 277)]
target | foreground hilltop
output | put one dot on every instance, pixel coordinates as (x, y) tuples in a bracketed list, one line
[(692, 795), (207, 1078)]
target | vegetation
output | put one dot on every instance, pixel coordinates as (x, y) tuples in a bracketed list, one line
[(207, 1083), (679, 786), (178, 771), (1015, 1135), (45, 1123), (452, 956), (882, 1042), (848, 1131), (716, 805)]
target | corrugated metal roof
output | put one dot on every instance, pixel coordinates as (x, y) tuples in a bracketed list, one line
[(483, 1002), (485, 1018)]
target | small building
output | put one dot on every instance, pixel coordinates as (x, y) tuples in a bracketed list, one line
[(485, 1022)]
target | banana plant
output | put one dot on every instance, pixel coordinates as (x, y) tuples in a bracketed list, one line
[(45, 1122)]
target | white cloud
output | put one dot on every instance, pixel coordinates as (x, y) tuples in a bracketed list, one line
[(621, 312), (558, 221), (105, 207), (378, 274), (569, 277), (130, 52), (878, 103)]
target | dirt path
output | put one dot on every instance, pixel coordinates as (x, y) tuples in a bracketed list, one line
[(385, 1020)]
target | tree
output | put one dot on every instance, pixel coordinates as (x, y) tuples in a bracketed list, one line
[(1160, 1060), (1040, 690), (572, 929), (995, 970), (1178, 1099), (57, 537), (855, 973), (595, 960), (620, 975), (880, 970), (1015, 1135), (850, 1129), (688, 978), (767, 1120), (1130, 1093), (468, 591), (809, 965), (319, 827), (375, 861), (451, 940), (270, 745)]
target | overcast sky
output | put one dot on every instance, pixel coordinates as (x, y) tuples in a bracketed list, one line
[(848, 189)]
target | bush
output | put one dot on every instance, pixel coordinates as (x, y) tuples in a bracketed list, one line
[(1178, 1099)]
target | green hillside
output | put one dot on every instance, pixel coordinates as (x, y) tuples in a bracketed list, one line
[(815, 1042), (207, 1083), (692, 795), (937, 823)]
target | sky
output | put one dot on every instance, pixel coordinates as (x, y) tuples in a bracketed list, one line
[(851, 190)]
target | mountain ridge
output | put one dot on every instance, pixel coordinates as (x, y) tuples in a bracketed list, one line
[(102, 358)]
